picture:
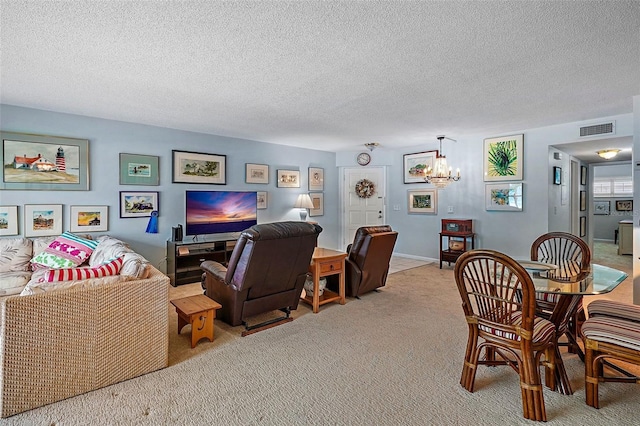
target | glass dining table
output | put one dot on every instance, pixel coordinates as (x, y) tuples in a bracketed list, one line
[(571, 283)]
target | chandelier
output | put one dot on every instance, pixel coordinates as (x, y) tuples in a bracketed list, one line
[(440, 175)]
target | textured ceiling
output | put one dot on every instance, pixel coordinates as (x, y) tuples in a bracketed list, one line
[(322, 74)]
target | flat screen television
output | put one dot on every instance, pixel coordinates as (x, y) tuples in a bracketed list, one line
[(218, 212)]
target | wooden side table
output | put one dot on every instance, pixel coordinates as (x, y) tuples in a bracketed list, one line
[(200, 312), (325, 262)]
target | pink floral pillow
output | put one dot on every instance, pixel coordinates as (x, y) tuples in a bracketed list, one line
[(66, 251)]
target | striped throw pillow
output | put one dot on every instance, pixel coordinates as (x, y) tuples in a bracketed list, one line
[(66, 251), (71, 274)]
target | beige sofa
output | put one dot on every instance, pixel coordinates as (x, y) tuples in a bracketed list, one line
[(62, 343)]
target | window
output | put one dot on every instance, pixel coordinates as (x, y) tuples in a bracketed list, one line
[(621, 186)]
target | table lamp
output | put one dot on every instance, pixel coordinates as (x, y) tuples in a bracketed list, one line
[(303, 202)]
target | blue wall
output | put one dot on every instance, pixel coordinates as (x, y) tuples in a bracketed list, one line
[(107, 139)]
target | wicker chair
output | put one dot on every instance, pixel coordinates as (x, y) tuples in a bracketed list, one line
[(498, 299), (572, 256), (611, 332)]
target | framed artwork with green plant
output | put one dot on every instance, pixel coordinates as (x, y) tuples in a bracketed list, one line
[(503, 158)]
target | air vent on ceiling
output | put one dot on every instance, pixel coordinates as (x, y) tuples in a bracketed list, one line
[(598, 129)]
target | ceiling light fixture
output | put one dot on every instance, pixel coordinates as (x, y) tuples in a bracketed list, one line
[(441, 175), (371, 145), (608, 154)]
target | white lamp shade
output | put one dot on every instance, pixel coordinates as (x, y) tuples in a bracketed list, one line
[(303, 202)]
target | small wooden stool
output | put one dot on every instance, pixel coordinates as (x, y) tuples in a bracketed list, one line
[(200, 312)]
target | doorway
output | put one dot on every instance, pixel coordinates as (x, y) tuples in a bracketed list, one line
[(361, 208)]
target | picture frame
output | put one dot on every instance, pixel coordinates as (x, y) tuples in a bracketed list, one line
[(601, 207), (503, 158), (557, 175), (317, 198), (138, 203), (316, 179), (288, 178), (262, 199), (416, 164), (9, 220), (624, 205), (583, 201), (583, 175), (65, 160), (199, 167), (42, 220), (88, 218), (583, 226), (423, 201), (139, 169), (256, 173), (504, 196)]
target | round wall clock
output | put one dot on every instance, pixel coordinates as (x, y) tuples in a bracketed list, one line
[(364, 158)]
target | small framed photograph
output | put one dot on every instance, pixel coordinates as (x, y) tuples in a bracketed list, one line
[(583, 226), (601, 207), (256, 173), (317, 198), (262, 199), (583, 175), (136, 169), (288, 179), (138, 204), (42, 220), (583, 201), (8, 220), (423, 201), (316, 179), (503, 158), (624, 205), (89, 218), (557, 175), (416, 165), (198, 167), (503, 196)]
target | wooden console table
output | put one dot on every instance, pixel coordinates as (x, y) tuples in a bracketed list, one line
[(323, 263)]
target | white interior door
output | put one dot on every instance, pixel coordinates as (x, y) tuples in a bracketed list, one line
[(358, 211)]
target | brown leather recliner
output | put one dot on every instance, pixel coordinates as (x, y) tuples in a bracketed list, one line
[(367, 265), (266, 271)]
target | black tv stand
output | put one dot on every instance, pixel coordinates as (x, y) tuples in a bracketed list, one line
[(184, 257)]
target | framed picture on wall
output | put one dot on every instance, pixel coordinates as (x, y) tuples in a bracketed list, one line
[(137, 169), (198, 167), (503, 196), (583, 226), (583, 201), (557, 175), (8, 220), (317, 198), (288, 179), (601, 207), (416, 165), (256, 173), (624, 205), (262, 199), (503, 158), (65, 162), (89, 218), (41, 220), (138, 204), (316, 179), (583, 175), (423, 201)]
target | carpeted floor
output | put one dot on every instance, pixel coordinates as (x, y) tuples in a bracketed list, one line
[(392, 357)]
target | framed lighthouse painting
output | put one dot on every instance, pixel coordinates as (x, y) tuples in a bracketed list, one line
[(47, 163)]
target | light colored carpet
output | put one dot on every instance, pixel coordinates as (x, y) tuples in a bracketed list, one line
[(393, 357)]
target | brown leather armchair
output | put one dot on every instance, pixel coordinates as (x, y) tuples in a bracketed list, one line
[(367, 265), (266, 271)]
